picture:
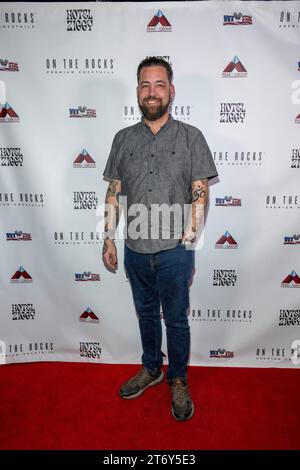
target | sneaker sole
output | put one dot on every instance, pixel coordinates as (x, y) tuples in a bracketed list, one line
[(155, 382), (184, 419)]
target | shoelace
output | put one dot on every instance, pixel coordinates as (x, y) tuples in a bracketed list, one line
[(179, 391)]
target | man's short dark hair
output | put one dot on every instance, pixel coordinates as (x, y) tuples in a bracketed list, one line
[(152, 61)]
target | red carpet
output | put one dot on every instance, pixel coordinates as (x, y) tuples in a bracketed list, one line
[(76, 406)]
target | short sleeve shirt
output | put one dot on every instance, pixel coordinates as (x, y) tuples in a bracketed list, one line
[(157, 171)]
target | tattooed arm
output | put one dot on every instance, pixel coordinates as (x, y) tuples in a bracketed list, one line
[(196, 217), (112, 215)]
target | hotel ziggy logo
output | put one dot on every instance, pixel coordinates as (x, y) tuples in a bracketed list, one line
[(159, 23), (295, 158), (232, 113), (79, 20), (11, 156)]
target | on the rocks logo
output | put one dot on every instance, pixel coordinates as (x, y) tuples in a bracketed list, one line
[(17, 20), (131, 113), (237, 19), (11, 156), (288, 317), (234, 69), (89, 316), (292, 280), (271, 354), (292, 240), (282, 201), (79, 20), (7, 66), (22, 199), (87, 276), (8, 114), (224, 277), (295, 158), (159, 23), (232, 113), (23, 312), (289, 19), (226, 241), (238, 158), (222, 315), (181, 112), (80, 65), (18, 235), (77, 238), (84, 160), (90, 349), (220, 353), (82, 112), (85, 200), (228, 201), (21, 276)]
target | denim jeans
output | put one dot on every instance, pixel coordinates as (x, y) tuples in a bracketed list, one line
[(162, 278)]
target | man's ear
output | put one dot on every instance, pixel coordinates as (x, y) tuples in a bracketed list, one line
[(172, 92)]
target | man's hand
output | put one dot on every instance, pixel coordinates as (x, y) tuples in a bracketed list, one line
[(109, 255)]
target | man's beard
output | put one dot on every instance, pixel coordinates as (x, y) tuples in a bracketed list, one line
[(156, 111)]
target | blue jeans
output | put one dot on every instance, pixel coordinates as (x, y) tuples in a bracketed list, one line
[(162, 278)]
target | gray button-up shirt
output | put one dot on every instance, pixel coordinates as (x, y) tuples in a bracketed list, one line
[(154, 170)]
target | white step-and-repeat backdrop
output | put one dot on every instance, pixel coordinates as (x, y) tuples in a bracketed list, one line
[(67, 85)]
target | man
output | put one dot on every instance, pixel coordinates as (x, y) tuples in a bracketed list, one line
[(158, 163)]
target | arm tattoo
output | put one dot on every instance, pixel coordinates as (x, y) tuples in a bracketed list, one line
[(112, 189)]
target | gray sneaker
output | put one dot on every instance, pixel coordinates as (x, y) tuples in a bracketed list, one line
[(135, 386), (182, 404)]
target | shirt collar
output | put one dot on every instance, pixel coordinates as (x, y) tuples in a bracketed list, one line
[(166, 125)]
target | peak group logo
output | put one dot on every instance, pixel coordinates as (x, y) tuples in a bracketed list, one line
[(7, 66), (297, 119), (291, 280), (18, 235), (88, 316), (84, 160), (226, 242), (159, 24), (234, 69), (7, 114), (82, 112), (228, 201), (17, 20), (79, 20), (237, 19), (21, 276)]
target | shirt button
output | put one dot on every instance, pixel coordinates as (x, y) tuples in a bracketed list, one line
[(150, 190), (152, 155), (150, 172)]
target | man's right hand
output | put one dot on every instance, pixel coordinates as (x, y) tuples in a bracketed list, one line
[(109, 255)]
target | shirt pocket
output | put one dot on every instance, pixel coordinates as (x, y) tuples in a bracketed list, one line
[(174, 166), (129, 165)]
